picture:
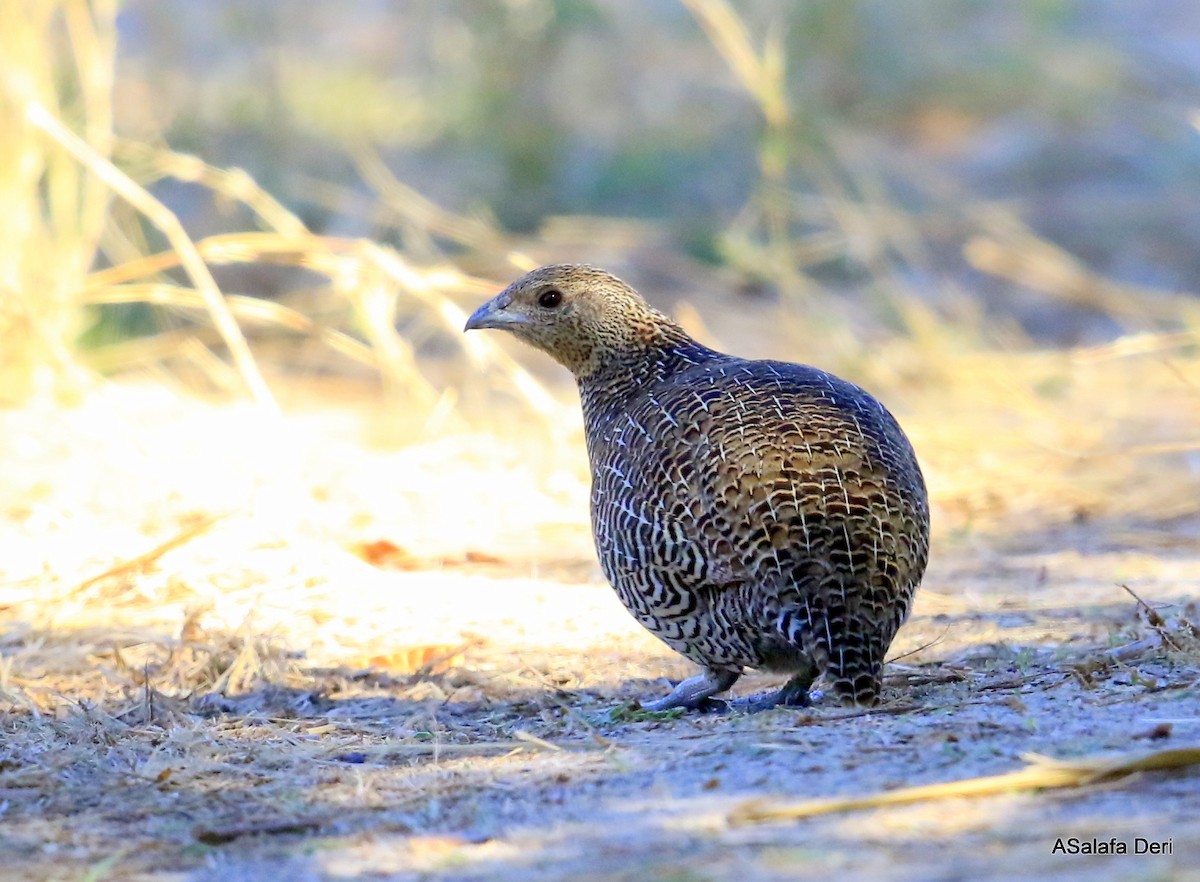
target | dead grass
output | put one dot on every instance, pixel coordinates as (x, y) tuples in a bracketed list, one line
[(55, 209), (58, 188), (228, 635), (193, 631)]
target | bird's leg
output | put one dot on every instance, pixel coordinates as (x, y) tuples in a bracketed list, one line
[(793, 693), (694, 692)]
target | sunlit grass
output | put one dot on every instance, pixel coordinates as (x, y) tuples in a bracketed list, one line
[(55, 209), (1067, 435), (167, 558)]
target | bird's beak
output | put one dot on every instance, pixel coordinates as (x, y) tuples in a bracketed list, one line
[(495, 314)]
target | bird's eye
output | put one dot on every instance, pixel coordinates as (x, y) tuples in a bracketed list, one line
[(550, 298)]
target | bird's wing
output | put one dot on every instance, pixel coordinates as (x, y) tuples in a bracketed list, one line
[(746, 476)]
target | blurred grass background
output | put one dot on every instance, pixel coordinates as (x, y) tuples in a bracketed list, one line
[(982, 210), (988, 176)]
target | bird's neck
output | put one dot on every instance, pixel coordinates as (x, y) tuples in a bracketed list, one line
[(622, 377)]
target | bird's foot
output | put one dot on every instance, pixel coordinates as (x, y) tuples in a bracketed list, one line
[(794, 693), (696, 693)]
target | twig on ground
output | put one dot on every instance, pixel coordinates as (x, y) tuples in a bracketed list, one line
[(1042, 773), (227, 834)]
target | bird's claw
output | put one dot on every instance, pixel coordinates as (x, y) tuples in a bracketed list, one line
[(791, 694)]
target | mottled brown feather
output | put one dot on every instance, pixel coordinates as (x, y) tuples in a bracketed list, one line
[(748, 513)]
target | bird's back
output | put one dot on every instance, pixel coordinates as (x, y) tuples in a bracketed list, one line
[(758, 513)]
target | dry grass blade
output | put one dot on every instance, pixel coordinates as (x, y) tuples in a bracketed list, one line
[(168, 224), (1166, 447), (63, 56), (1177, 635), (142, 560), (415, 209), (530, 738), (917, 649), (234, 184), (763, 74), (521, 741), (1035, 263), (245, 308), (264, 311), (760, 75), (1132, 345), (313, 252), (478, 348), (1042, 773), (361, 265)]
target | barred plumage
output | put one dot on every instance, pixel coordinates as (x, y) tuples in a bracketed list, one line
[(748, 513)]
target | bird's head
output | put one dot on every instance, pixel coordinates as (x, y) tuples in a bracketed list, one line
[(579, 315)]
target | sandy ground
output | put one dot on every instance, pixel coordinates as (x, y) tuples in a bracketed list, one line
[(238, 647)]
